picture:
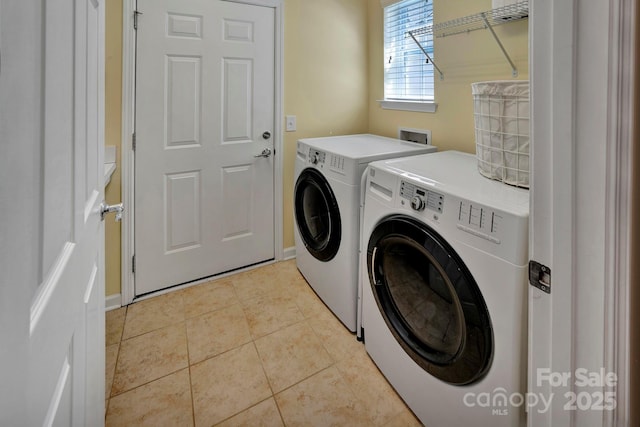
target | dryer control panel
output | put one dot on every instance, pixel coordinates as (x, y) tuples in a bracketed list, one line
[(316, 157), (319, 158), (421, 198), (336, 162)]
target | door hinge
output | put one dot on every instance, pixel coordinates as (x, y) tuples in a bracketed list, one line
[(135, 19), (540, 276), (133, 141), (133, 264)]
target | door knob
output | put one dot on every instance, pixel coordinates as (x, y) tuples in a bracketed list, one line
[(105, 209), (265, 153), (266, 134)]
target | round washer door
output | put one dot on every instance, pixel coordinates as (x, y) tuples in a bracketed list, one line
[(429, 300), (317, 215)]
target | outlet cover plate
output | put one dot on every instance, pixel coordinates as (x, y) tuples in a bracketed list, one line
[(290, 123)]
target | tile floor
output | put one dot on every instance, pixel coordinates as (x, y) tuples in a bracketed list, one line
[(255, 349)]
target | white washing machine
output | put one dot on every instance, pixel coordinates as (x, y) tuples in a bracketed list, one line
[(328, 174), (444, 282)]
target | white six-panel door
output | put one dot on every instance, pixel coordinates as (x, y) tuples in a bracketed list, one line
[(204, 111), (52, 133)]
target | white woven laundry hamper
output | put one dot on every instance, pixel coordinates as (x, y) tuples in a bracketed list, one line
[(501, 117)]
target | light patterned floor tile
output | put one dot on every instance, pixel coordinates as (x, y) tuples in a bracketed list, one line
[(405, 419), (152, 314), (324, 399), (164, 402), (111, 356), (291, 355), (308, 302), (287, 277), (207, 297), (213, 333), (236, 329), (366, 381), (227, 385), (150, 356), (270, 313), (335, 337), (114, 324), (255, 283), (264, 414)]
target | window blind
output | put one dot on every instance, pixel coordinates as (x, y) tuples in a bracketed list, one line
[(407, 74)]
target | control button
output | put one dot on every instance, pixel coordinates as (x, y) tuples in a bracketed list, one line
[(407, 190), (418, 203), (475, 216), (463, 214)]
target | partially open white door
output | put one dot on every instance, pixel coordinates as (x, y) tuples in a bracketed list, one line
[(580, 116), (52, 174), (204, 167)]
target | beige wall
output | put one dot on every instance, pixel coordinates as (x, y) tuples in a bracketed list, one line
[(333, 77), (463, 58), (113, 114), (325, 77)]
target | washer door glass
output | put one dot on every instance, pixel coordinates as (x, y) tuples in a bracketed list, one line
[(429, 300), (317, 215)]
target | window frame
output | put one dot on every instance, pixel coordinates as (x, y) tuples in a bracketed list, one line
[(397, 103)]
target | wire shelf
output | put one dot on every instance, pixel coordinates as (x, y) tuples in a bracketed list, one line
[(478, 21)]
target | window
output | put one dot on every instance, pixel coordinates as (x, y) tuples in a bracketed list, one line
[(408, 75)]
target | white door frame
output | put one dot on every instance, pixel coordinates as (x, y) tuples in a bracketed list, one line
[(582, 111), (128, 113)]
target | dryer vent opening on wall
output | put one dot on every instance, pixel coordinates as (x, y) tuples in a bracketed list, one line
[(421, 136)]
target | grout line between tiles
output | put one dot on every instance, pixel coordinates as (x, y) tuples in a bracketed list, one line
[(149, 382), (115, 366), (264, 371), (279, 410), (304, 379), (193, 404)]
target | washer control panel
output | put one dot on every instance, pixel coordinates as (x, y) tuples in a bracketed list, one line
[(479, 221), (421, 198)]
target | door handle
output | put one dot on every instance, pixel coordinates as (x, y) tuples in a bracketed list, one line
[(105, 209), (265, 153)]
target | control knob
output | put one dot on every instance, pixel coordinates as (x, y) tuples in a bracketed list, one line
[(418, 203), (314, 158)]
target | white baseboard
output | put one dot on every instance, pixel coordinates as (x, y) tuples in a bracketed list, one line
[(289, 253), (112, 302)]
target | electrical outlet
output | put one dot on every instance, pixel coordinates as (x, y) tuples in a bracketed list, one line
[(290, 123)]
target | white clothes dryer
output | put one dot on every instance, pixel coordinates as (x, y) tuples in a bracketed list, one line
[(444, 288), (327, 179)]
